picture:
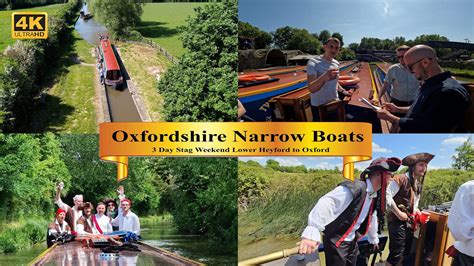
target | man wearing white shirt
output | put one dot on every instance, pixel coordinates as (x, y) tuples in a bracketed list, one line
[(127, 220), (347, 213), (101, 220), (404, 189), (86, 225), (72, 213), (461, 224)]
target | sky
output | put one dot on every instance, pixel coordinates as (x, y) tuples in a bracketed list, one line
[(387, 145), (355, 19)]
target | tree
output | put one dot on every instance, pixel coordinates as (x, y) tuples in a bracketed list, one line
[(201, 86), (119, 16), (339, 36), (464, 159), (281, 36), (204, 195), (324, 35), (346, 54), (275, 165), (288, 38), (262, 38), (353, 46)]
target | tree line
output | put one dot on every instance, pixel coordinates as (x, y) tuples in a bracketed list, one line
[(200, 193), (290, 38)]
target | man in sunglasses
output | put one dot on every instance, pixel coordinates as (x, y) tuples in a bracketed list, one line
[(441, 103), (404, 86), (348, 212)]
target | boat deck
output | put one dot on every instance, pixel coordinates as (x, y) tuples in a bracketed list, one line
[(74, 254)]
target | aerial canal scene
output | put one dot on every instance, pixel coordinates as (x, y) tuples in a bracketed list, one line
[(354, 59), (61, 205), (107, 61)]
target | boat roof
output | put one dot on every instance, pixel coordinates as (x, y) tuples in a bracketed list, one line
[(75, 254), (109, 56)]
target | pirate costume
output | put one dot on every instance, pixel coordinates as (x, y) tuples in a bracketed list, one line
[(347, 213), (403, 191)]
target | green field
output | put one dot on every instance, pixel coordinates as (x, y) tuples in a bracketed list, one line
[(144, 64), (6, 22), (161, 20), (69, 106)]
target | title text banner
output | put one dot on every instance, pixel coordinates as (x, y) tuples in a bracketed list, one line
[(352, 141)]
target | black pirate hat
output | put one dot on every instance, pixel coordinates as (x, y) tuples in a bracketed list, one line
[(417, 157), (382, 164)]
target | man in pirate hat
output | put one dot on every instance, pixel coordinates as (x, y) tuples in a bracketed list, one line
[(348, 212), (403, 196)]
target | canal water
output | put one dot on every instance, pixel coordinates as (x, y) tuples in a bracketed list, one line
[(164, 235), (121, 105), (158, 234)]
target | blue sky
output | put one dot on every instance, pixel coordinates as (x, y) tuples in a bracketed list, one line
[(355, 19), (398, 145)]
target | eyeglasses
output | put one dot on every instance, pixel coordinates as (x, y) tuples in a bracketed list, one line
[(111, 205), (400, 57), (410, 66)]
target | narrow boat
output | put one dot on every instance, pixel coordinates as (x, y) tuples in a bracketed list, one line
[(255, 96), (109, 65), (73, 253)]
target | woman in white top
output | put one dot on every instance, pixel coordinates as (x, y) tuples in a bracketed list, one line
[(102, 220)]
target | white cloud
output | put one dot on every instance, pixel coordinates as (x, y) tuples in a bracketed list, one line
[(327, 166), (377, 148), (288, 161), (434, 167), (362, 165), (454, 141), (386, 7)]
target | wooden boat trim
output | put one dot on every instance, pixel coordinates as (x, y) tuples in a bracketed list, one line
[(41, 256), (260, 91)]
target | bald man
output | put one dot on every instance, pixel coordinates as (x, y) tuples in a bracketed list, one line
[(441, 102)]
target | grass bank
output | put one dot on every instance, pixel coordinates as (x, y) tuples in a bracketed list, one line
[(465, 73), (22, 234), (145, 65), (276, 219), (6, 22), (160, 22), (69, 104)]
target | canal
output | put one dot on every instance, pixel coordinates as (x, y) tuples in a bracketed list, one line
[(160, 234), (121, 105)]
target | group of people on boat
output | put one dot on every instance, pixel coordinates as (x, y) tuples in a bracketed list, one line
[(354, 209), (422, 98), (79, 219)]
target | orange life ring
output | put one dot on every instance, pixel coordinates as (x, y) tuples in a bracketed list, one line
[(348, 80), (252, 77)]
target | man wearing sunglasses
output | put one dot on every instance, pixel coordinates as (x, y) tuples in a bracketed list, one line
[(404, 86), (441, 103)]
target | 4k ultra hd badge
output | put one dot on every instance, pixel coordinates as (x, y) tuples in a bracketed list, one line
[(29, 25)]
